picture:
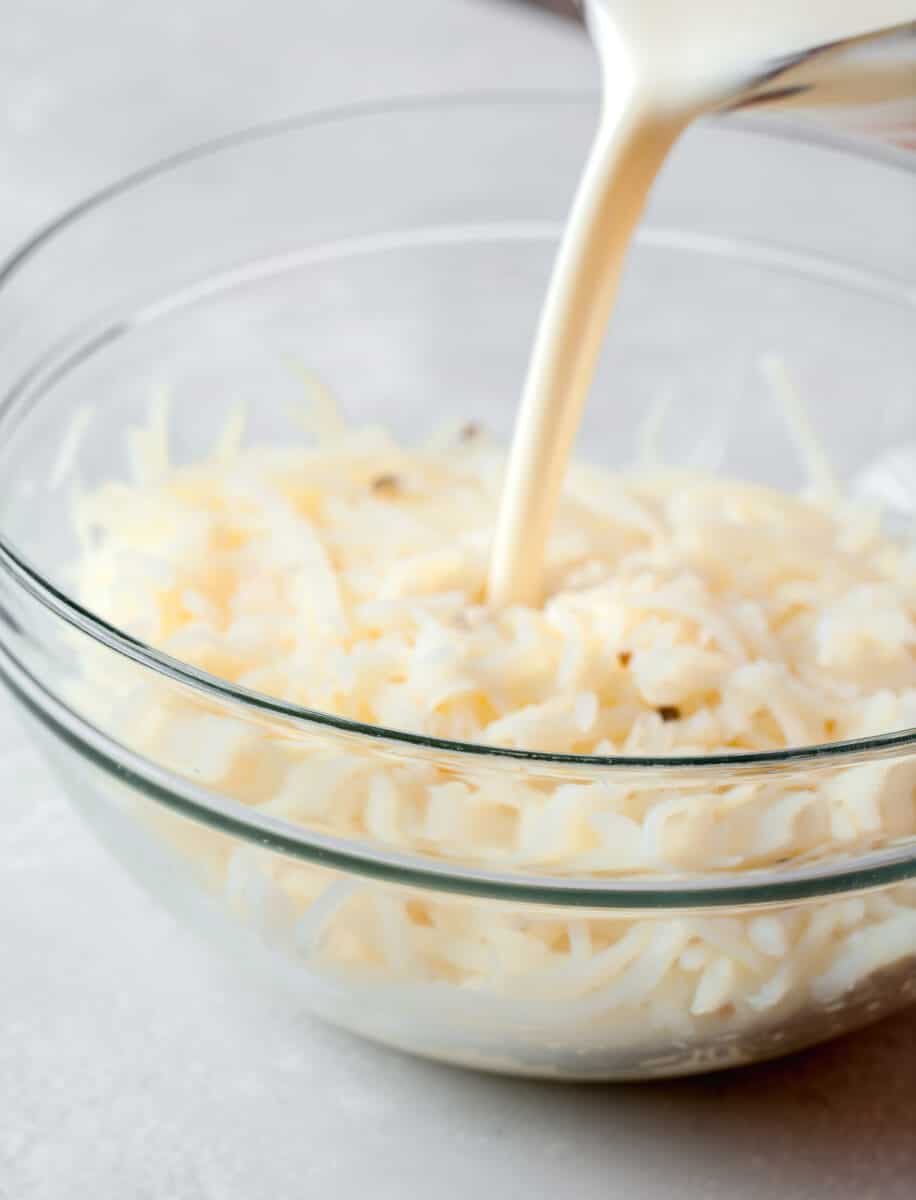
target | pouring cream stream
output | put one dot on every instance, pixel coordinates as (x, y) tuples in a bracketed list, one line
[(663, 63)]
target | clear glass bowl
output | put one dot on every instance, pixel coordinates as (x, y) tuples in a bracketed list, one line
[(402, 253)]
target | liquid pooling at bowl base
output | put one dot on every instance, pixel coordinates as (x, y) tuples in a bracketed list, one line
[(518, 1029)]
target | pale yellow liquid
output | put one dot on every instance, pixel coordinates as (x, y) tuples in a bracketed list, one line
[(664, 62)]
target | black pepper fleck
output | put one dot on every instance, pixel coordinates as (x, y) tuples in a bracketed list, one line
[(386, 485)]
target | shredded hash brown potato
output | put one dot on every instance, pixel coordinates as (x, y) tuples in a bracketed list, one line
[(685, 615)]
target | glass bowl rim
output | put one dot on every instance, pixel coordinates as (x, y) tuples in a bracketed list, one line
[(374, 861), (868, 870), (73, 613)]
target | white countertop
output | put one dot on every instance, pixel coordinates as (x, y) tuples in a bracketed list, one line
[(131, 1067)]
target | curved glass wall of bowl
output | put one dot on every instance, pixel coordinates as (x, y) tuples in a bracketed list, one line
[(417, 310)]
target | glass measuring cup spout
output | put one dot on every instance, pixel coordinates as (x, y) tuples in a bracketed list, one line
[(873, 68), (851, 64)]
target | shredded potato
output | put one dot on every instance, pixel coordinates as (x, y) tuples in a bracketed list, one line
[(684, 615)]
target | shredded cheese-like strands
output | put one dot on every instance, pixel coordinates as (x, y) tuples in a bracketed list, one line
[(685, 614)]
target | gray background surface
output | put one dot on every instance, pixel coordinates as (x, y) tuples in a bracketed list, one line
[(130, 1066)]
